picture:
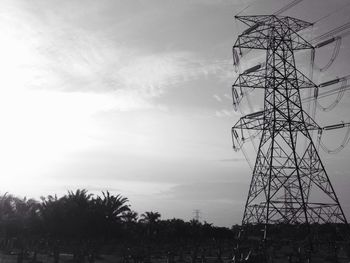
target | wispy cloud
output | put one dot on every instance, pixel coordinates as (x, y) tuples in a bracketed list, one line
[(226, 113), (233, 160), (208, 191), (62, 56), (217, 97), (227, 96)]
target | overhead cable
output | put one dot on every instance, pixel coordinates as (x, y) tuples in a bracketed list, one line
[(285, 8)]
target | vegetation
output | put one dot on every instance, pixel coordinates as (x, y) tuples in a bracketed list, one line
[(85, 226), (80, 227)]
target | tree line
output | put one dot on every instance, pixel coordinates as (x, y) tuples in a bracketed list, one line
[(85, 226), (80, 222)]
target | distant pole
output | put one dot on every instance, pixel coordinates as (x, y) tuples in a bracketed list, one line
[(197, 214)]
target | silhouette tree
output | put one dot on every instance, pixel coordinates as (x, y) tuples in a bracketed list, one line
[(150, 219), (77, 207), (84, 224), (20, 218), (112, 207), (53, 215), (7, 212), (108, 213), (130, 217)]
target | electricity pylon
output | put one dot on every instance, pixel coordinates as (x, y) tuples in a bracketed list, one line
[(289, 182)]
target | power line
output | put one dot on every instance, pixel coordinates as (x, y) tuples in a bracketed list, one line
[(332, 32), (245, 8), (331, 13), (278, 12), (289, 6)]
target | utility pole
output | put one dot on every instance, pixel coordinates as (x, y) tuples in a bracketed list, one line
[(197, 214)]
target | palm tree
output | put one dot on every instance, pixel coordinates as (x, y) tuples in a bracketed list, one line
[(80, 197), (6, 205), (106, 214), (18, 215), (25, 206), (77, 209), (52, 213), (7, 211), (112, 207), (150, 219), (130, 217), (20, 219)]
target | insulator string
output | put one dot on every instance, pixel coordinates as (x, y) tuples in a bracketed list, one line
[(311, 106), (236, 60), (237, 68), (338, 149), (247, 158), (335, 54), (318, 141), (332, 32), (239, 145), (340, 95), (324, 94), (249, 132)]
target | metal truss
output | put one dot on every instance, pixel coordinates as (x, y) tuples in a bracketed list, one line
[(257, 80), (289, 182), (258, 35)]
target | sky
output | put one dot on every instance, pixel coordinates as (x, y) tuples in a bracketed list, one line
[(134, 97)]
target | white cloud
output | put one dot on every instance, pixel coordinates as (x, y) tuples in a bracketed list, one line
[(55, 54), (226, 113), (217, 97), (56, 77), (227, 96)]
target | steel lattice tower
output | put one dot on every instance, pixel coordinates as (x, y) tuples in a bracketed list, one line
[(289, 182)]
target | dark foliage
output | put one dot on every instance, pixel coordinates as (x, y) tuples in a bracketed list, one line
[(85, 225)]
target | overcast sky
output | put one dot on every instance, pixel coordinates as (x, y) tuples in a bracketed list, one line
[(134, 97)]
